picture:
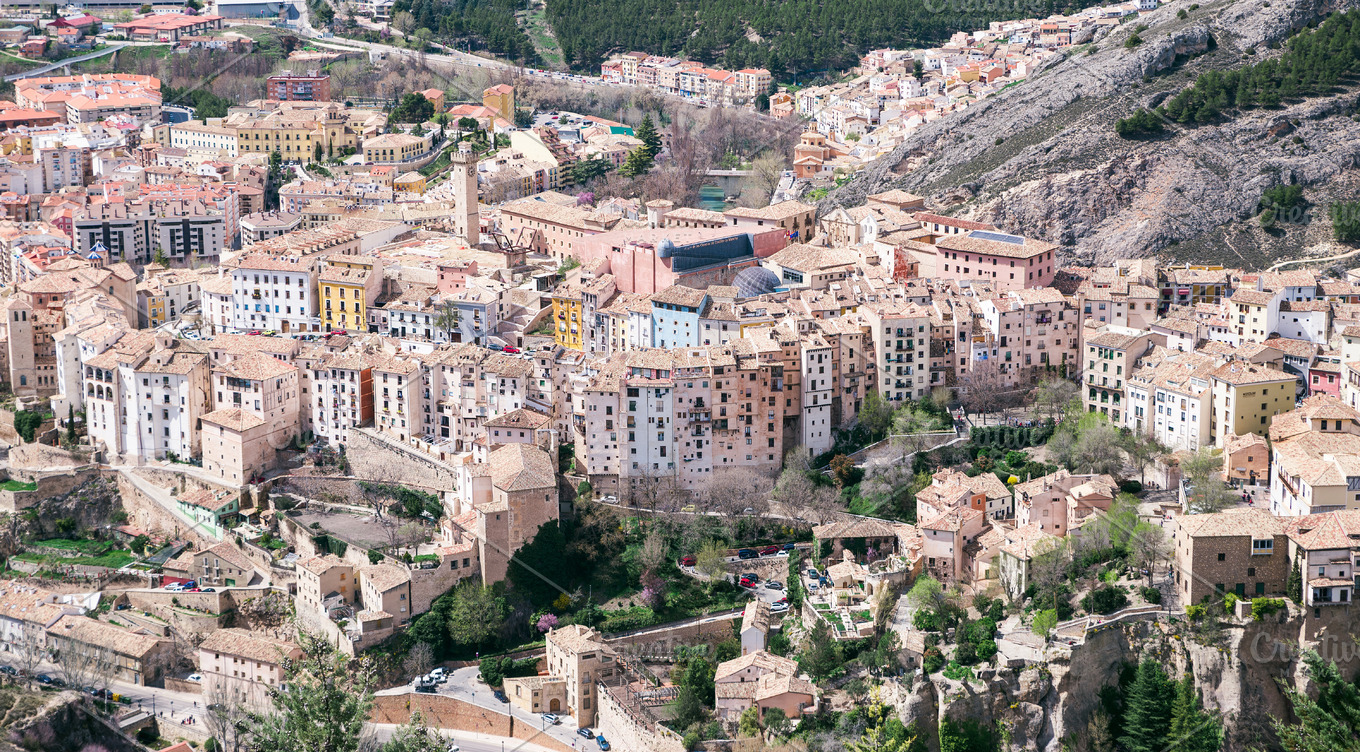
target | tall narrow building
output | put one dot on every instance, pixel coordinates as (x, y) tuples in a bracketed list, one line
[(465, 193)]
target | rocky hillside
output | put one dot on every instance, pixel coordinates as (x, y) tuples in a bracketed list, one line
[(1238, 671), (1042, 158)]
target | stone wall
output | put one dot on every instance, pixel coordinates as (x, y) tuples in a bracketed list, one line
[(372, 455), (49, 485), (183, 685), (182, 480), (150, 600), (429, 584), (687, 634), (625, 730), (440, 711), (147, 514)]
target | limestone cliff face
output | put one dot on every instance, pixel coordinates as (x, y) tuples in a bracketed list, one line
[(1042, 158), (1040, 707)]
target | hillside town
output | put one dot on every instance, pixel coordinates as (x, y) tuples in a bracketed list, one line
[(318, 383)]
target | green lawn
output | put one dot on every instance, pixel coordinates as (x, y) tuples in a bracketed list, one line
[(90, 547), (17, 485), (112, 559)]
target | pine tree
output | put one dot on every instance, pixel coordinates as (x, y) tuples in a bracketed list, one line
[(651, 140), (1331, 723), (71, 423), (1147, 718), (1192, 729)]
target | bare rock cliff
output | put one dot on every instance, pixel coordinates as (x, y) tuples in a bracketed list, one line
[(1042, 158)]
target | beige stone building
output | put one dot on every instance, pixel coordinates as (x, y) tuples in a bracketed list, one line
[(386, 588), (133, 658), (324, 582), (1241, 551), (761, 680), (1246, 398), (240, 666)]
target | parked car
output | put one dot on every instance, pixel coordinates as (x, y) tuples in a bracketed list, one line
[(195, 677), (175, 587), (511, 350), (687, 561), (789, 546), (747, 581), (500, 696), (774, 585), (439, 674), (779, 608), (551, 718), (813, 573), (585, 732), (9, 671), (496, 347), (604, 745), (770, 550), (812, 587), (747, 553), (207, 590), (688, 509), (426, 687), (44, 679)]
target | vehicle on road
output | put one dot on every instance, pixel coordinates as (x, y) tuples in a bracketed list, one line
[(207, 590), (426, 687), (551, 718), (747, 581), (774, 585), (499, 695), (747, 553), (770, 550), (195, 677), (511, 350), (790, 546), (687, 561), (688, 509), (585, 732), (813, 573), (604, 745), (812, 587), (779, 608)]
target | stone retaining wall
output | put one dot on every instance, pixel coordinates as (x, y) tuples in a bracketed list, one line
[(440, 711)]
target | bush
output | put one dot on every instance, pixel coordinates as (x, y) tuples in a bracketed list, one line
[(1130, 487), (1263, 607), (1195, 612), (1230, 601), (1106, 600), (985, 650), (691, 740), (932, 660), (1152, 595)]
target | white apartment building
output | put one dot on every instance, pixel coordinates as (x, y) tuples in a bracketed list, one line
[(62, 167), (200, 138), (819, 384), (145, 396), (275, 293)]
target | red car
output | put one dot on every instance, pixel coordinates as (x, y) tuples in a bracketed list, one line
[(687, 561), (511, 350), (747, 581), (770, 550)]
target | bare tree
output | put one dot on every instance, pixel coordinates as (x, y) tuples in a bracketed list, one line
[(982, 389), (29, 651), (225, 717), (734, 491), (76, 666), (1148, 547), (653, 552), (1051, 396), (420, 660), (766, 172)]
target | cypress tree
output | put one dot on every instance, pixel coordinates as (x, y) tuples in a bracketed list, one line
[(1147, 717)]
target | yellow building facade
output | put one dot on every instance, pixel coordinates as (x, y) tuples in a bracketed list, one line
[(566, 317)]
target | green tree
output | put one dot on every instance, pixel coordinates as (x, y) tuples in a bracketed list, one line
[(821, 657), (322, 705), (637, 163), (1345, 216), (748, 726), (646, 133), (413, 108), (71, 423), (776, 722), (415, 736), (688, 708), (1192, 729), (1331, 723), (876, 415), (698, 677), (1204, 472), (476, 614), (1295, 584), (1148, 710)]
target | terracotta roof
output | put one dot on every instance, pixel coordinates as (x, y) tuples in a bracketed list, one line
[(385, 576), (85, 630), (252, 646), (576, 639), (521, 467), (1256, 523), (233, 418), (756, 616)]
